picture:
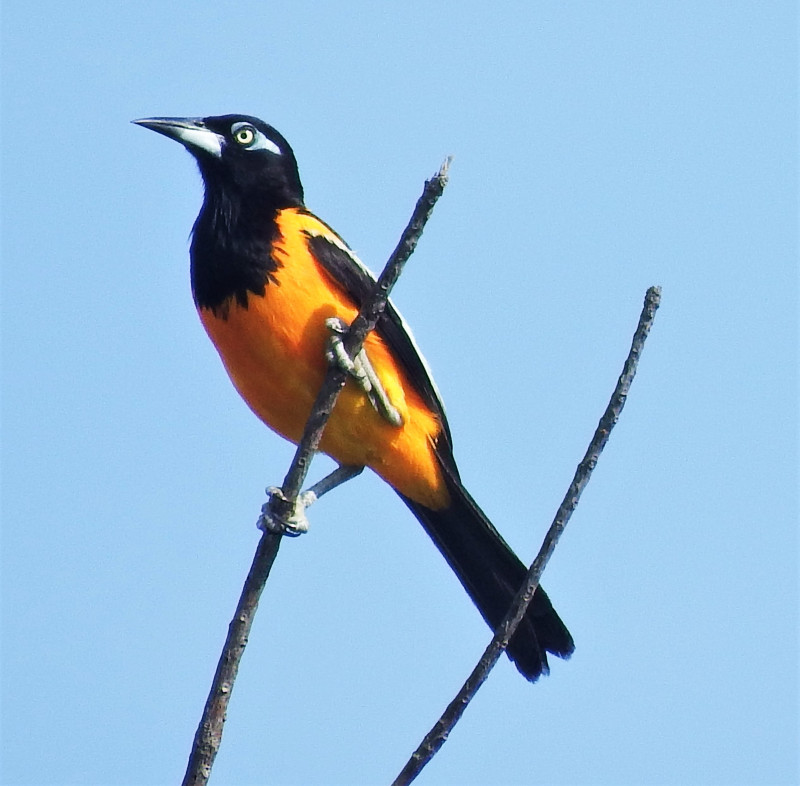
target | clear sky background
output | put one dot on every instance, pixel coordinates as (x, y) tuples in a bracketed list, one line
[(600, 148)]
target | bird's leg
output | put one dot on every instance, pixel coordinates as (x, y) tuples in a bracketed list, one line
[(284, 519), (362, 370)]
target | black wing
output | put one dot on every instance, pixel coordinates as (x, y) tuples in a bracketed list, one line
[(350, 273)]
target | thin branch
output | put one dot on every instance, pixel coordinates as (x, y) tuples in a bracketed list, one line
[(437, 736), (209, 732), (208, 736)]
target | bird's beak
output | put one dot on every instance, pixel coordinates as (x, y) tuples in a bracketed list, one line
[(191, 132)]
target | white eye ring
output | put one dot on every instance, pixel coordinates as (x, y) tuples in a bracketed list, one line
[(251, 138)]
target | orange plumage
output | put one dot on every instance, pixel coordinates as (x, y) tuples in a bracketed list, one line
[(274, 353)]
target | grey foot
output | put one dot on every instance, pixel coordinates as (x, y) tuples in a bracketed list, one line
[(296, 523), (362, 370)]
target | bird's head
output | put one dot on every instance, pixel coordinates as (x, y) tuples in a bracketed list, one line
[(237, 153)]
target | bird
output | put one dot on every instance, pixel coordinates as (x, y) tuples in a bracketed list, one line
[(271, 281)]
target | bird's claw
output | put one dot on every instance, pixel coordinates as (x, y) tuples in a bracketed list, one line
[(361, 369), (295, 522)]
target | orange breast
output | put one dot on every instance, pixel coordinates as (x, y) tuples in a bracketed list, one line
[(274, 351)]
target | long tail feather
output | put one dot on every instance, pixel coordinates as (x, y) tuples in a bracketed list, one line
[(492, 574)]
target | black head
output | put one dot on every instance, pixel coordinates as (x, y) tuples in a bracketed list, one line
[(250, 175), (237, 154)]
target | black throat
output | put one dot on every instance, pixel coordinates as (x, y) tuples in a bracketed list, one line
[(231, 251)]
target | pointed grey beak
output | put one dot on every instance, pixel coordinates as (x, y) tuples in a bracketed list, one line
[(191, 132)]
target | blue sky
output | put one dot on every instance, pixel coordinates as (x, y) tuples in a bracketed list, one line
[(599, 148)]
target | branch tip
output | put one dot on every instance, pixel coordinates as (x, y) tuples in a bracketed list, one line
[(438, 734)]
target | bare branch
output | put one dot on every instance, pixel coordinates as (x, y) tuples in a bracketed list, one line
[(437, 736), (209, 732), (208, 737)]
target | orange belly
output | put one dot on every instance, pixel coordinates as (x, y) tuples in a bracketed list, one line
[(274, 353)]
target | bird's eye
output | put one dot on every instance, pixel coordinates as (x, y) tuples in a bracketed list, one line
[(245, 135), (250, 138)]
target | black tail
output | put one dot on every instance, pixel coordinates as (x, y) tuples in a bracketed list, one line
[(492, 574)]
